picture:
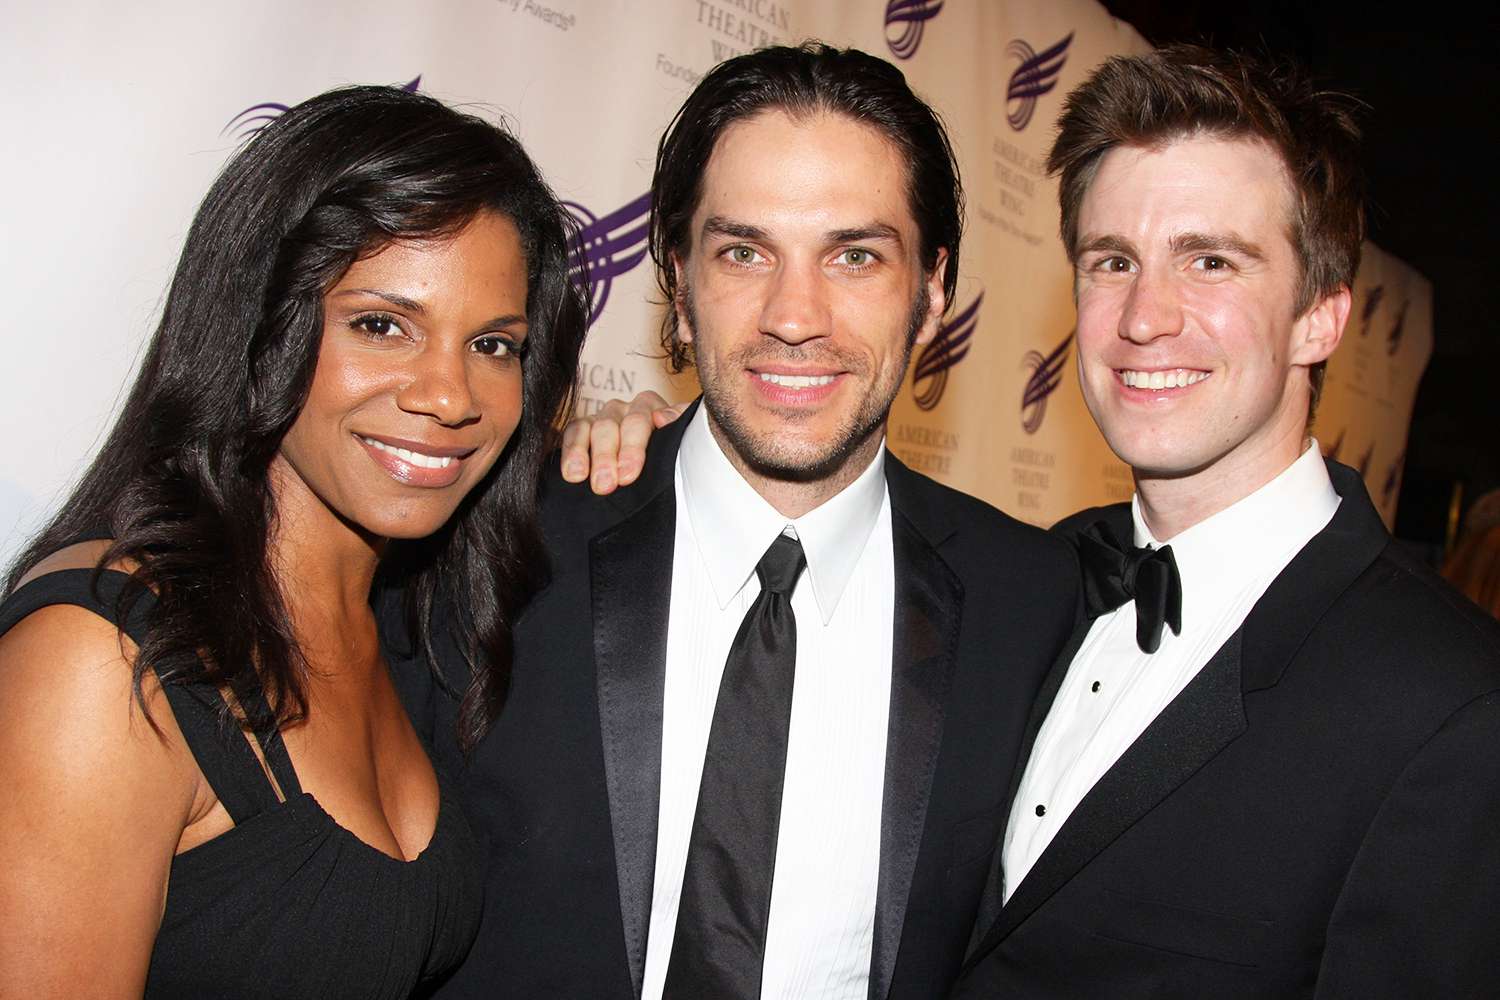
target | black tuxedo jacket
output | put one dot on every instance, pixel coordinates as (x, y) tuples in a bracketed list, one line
[(565, 785), (1316, 814)]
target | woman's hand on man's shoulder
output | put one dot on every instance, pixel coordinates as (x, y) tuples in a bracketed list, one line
[(608, 448)]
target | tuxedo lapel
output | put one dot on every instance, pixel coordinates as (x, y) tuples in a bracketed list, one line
[(1303, 592), (993, 900), (928, 608), (630, 568), (1189, 732), (1043, 704)]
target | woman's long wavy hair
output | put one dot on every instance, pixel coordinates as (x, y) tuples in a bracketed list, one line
[(181, 484)]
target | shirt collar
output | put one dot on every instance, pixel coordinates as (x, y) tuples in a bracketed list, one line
[(733, 525), (1255, 535)]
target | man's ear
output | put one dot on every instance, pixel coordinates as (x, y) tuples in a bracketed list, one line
[(937, 299), (679, 301), (1317, 332)]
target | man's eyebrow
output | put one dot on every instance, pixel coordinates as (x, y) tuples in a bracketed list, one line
[(862, 234), (718, 225), (1179, 244), (1108, 244), (399, 301), (1216, 243)]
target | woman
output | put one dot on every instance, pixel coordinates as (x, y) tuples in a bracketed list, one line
[(214, 790)]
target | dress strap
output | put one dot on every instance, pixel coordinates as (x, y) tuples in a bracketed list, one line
[(273, 747), (222, 752), (213, 737), (73, 586)]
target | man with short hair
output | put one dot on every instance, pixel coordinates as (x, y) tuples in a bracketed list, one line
[(759, 729), (1269, 763)]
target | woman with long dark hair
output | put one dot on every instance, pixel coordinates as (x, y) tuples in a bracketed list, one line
[(212, 788)]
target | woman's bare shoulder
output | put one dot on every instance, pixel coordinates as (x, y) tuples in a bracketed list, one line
[(65, 661), (66, 642)]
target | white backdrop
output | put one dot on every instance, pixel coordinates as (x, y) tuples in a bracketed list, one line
[(120, 116)]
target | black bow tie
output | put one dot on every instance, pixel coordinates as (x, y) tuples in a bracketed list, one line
[(1115, 573)]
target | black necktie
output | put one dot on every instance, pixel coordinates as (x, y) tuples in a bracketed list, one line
[(720, 941), (1114, 573)]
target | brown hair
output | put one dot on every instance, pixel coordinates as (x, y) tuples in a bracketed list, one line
[(1185, 90)]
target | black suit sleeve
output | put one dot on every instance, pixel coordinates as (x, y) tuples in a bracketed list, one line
[(1416, 915)]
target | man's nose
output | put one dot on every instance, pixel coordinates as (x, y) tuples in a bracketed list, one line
[(1152, 308), (796, 308)]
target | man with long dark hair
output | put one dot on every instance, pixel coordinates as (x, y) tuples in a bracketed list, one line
[(1272, 766), (759, 730)]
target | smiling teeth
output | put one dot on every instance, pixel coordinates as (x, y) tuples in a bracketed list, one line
[(1174, 379), (416, 458), (796, 381)]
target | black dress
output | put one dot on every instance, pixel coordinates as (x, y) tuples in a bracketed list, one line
[(288, 903)]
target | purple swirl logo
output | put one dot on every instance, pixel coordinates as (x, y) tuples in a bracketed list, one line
[(1045, 376), (1370, 308), (905, 20), (1398, 330), (258, 116), (929, 375), (606, 247), (1036, 75)]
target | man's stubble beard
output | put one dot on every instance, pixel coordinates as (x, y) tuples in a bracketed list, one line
[(771, 456)]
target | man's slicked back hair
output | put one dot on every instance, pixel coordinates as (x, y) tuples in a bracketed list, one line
[(1182, 91), (802, 81)]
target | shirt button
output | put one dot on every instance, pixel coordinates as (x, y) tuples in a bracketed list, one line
[(1095, 687), (1041, 810)]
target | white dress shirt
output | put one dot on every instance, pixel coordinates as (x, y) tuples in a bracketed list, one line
[(822, 917), (1113, 691)]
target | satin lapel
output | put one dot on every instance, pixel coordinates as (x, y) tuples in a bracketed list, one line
[(992, 902), (993, 899), (1190, 731), (631, 579), (1043, 705), (928, 608), (1320, 574)]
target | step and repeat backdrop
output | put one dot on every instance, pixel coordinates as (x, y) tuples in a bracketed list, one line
[(119, 116)]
